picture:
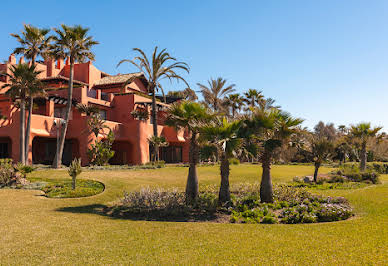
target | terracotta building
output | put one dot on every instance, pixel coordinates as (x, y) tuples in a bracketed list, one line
[(91, 87)]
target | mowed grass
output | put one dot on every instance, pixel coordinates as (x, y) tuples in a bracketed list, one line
[(38, 230)]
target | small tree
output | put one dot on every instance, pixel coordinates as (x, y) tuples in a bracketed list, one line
[(101, 151), (74, 170), (322, 149)]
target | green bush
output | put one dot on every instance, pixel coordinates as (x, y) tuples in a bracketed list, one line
[(7, 172), (101, 152), (234, 161)]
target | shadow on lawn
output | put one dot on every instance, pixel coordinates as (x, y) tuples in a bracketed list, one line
[(125, 214)]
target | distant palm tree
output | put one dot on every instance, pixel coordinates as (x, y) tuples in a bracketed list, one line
[(33, 42), (234, 102), (22, 79), (187, 94), (87, 109), (363, 132), (322, 149), (72, 42), (224, 135), (215, 91), (190, 116), (253, 97), (273, 128)]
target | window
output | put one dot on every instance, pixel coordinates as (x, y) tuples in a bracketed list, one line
[(60, 112), (103, 114), (104, 96)]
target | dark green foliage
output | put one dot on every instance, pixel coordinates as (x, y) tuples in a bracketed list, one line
[(63, 189), (101, 152), (140, 114), (234, 161)]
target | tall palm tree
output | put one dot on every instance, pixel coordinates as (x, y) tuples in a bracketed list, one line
[(234, 101), (268, 103), (161, 66), (253, 97), (224, 135), (72, 42), (273, 128), (22, 79), (190, 116), (33, 42), (215, 91), (363, 132)]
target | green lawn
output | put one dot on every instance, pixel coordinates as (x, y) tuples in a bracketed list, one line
[(39, 230)]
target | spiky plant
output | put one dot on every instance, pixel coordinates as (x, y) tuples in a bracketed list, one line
[(74, 170)]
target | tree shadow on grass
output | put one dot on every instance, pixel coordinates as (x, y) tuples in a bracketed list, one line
[(123, 213)]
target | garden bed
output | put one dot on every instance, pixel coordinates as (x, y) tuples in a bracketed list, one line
[(63, 189), (291, 205)]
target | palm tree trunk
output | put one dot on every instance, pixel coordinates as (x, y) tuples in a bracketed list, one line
[(266, 193), (61, 143), (22, 136), (363, 157), (28, 130), (192, 178), (155, 122), (224, 193), (317, 165)]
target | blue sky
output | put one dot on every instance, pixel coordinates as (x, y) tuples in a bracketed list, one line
[(320, 60)]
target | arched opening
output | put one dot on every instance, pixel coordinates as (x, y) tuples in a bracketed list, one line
[(44, 149), (123, 153), (5, 147)]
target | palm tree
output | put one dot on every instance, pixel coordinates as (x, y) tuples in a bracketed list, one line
[(234, 101), (215, 91), (267, 104), (22, 79), (33, 42), (187, 94), (322, 149), (273, 128), (224, 135), (72, 42), (87, 109), (163, 66), (363, 132), (190, 116), (253, 97)]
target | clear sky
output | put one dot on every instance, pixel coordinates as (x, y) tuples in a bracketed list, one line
[(321, 60)]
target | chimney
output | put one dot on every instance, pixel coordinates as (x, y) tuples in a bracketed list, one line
[(12, 59), (21, 60), (50, 65), (59, 63)]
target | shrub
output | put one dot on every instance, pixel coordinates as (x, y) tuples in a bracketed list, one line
[(24, 169), (269, 220), (7, 172), (353, 173), (101, 152), (234, 161), (156, 164), (329, 212)]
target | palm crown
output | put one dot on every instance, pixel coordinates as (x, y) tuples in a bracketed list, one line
[(215, 91), (72, 42), (33, 41)]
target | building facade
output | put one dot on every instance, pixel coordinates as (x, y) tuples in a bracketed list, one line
[(92, 87)]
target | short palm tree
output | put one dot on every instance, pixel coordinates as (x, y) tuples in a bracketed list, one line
[(363, 132), (234, 102), (253, 97), (273, 128), (215, 91), (34, 42), (189, 116), (322, 149), (72, 42), (22, 80), (87, 109), (224, 135)]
